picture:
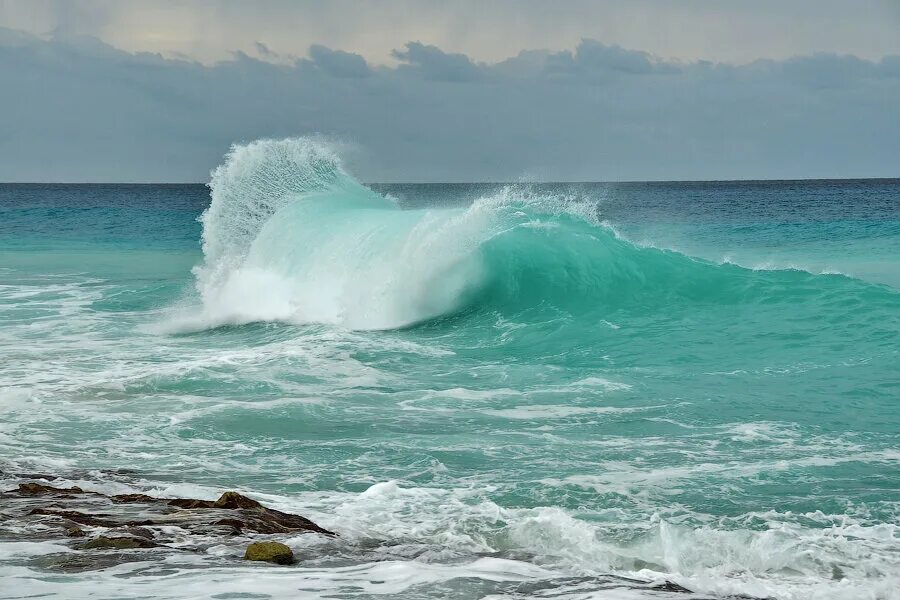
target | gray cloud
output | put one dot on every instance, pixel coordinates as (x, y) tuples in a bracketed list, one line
[(591, 56), (76, 109), (720, 30), (339, 63), (433, 63)]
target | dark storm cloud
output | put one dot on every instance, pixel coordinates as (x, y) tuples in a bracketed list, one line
[(76, 109)]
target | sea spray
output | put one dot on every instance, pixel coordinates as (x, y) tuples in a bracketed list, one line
[(291, 236)]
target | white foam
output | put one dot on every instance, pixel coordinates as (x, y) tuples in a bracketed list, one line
[(556, 411), (290, 236)]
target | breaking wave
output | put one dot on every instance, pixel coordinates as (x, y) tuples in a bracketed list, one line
[(291, 236)]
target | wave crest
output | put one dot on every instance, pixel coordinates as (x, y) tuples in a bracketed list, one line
[(255, 181), (291, 236)]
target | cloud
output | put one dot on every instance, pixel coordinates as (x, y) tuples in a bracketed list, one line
[(591, 56), (824, 70), (264, 50), (735, 31), (436, 65), (85, 111), (338, 62)]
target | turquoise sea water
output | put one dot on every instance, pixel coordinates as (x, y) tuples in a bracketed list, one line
[(473, 384)]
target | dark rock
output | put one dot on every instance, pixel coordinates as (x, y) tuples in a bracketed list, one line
[(117, 543), (190, 503), (76, 517), (35, 489), (141, 532), (80, 562), (254, 515), (37, 476), (236, 523), (235, 526), (235, 500), (112, 528), (669, 586), (267, 520), (273, 552), (131, 498)]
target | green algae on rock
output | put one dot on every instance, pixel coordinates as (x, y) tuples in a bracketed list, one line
[(117, 543), (273, 552)]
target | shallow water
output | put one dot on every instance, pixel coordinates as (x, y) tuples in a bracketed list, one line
[(488, 391)]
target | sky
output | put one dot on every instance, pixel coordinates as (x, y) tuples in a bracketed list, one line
[(130, 90)]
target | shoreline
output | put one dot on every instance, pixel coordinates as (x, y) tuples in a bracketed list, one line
[(105, 531)]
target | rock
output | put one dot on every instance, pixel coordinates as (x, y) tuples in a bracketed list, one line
[(229, 500), (129, 498), (141, 532), (267, 520), (35, 489), (110, 529), (37, 476), (76, 517), (190, 503), (117, 543), (235, 523), (254, 516), (670, 586), (273, 552), (80, 562), (235, 500)]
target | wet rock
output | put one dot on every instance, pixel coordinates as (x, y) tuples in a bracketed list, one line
[(231, 509), (132, 498), (229, 500), (254, 516), (76, 517), (117, 543), (71, 562), (273, 552), (235, 500), (191, 503), (35, 489), (141, 532), (670, 586), (235, 526), (270, 521), (37, 476), (111, 528), (235, 523)]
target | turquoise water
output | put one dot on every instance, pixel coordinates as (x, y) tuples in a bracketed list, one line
[(472, 384)]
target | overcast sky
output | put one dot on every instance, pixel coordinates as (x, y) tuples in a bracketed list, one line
[(108, 90)]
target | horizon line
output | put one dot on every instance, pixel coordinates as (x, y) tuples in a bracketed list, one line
[(543, 182)]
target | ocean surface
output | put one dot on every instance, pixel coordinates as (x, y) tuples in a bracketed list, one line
[(489, 391)]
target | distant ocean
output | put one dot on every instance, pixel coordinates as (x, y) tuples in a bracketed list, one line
[(488, 390)]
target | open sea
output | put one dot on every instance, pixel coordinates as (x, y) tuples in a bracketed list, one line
[(487, 390)]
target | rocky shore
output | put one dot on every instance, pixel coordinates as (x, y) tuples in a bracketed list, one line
[(103, 531), (110, 528)]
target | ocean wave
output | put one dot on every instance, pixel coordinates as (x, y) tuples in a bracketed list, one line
[(291, 236)]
